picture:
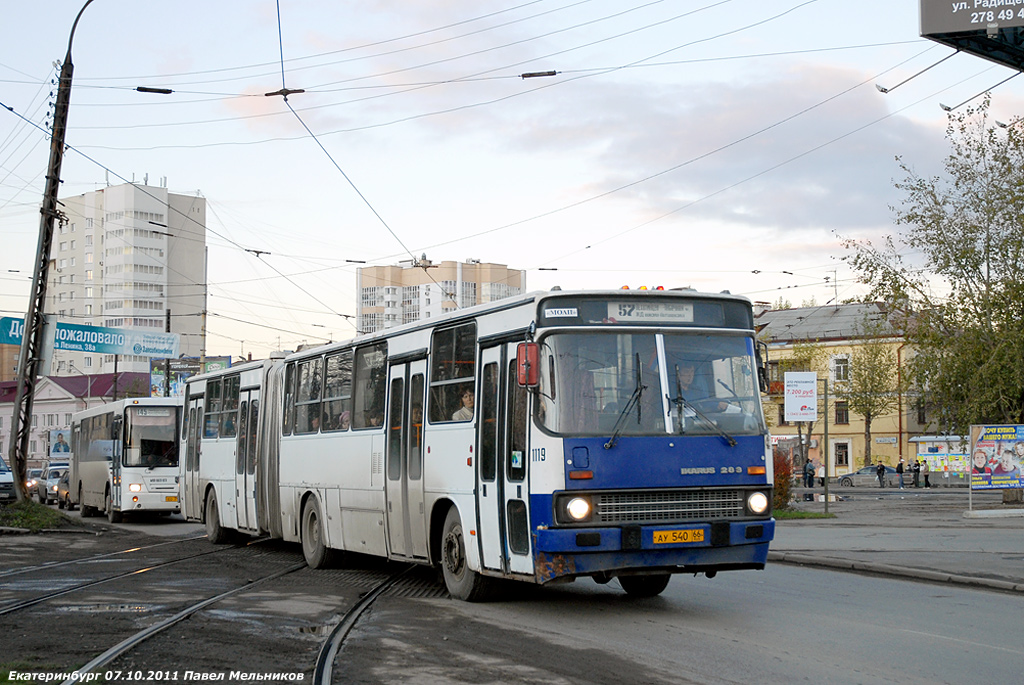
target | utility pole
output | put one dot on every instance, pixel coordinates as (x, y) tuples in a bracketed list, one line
[(32, 339)]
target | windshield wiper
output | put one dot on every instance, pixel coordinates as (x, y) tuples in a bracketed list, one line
[(634, 399), (681, 402)]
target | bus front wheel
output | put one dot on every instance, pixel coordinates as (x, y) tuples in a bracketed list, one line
[(462, 582), (645, 586), (85, 511), (215, 533), (314, 550), (112, 516)]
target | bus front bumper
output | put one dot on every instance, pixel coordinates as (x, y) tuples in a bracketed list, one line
[(682, 548)]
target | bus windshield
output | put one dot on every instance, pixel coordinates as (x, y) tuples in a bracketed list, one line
[(150, 436), (646, 383)]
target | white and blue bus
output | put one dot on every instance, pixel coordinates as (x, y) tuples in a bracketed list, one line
[(124, 457), (540, 438)]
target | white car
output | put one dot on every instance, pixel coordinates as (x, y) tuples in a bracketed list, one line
[(6, 483)]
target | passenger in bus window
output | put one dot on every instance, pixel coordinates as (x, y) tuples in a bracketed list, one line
[(465, 412), (344, 420)]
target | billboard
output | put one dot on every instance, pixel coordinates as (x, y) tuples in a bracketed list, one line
[(95, 339), (955, 16), (801, 396), (997, 457), (180, 370), (59, 446)]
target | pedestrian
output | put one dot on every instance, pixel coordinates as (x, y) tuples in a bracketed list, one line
[(809, 474), (821, 475), (926, 471), (880, 470), (899, 472), (917, 474)]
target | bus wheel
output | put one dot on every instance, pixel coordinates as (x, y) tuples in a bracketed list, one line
[(215, 533), (112, 516), (462, 582), (316, 553), (85, 511), (60, 503), (645, 586)]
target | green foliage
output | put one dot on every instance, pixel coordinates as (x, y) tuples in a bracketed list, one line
[(783, 480), (31, 515), (968, 228)]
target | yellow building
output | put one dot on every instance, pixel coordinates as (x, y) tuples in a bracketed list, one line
[(827, 340)]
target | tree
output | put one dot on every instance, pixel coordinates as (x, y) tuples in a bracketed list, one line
[(873, 388), (967, 225), (807, 356)]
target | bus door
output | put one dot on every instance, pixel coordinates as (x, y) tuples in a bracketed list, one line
[(502, 489), (117, 449), (191, 488), (407, 531), (245, 459)]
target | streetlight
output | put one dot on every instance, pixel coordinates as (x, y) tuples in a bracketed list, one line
[(88, 387)]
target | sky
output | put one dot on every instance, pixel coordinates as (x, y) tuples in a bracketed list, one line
[(714, 144)]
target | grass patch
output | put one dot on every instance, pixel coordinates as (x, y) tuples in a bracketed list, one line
[(31, 515), (794, 514)]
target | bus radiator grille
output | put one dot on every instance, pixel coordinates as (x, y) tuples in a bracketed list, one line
[(667, 506)]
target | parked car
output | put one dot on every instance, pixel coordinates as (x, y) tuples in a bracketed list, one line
[(868, 477), (64, 492), (46, 486)]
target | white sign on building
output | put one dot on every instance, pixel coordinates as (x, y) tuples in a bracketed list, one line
[(801, 396)]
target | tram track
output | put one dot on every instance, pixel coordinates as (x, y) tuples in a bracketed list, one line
[(25, 604), (94, 557)]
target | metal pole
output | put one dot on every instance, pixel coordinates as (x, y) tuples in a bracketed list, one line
[(828, 452), (31, 342)]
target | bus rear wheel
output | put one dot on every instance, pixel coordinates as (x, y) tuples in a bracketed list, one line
[(645, 586), (316, 553), (462, 582), (215, 533), (85, 511), (112, 516)]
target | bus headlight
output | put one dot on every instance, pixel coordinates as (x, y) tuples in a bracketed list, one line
[(135, 487), (757, 503), (578, 508)]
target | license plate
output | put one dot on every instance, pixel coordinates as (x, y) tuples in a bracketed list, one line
[(170, 498), (668, 537)]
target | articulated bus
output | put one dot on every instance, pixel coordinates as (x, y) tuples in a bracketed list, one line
[(545, 437), (124, 457)]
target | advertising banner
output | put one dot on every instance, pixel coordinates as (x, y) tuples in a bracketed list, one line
[(997, 456), (97, 339), (801, 396), (180, 370), (59, 446), (954, 16)]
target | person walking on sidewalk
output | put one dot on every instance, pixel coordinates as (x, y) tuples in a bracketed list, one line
[(899, 472), (880, 470), (917, 474), (925, 471), (809, 474)]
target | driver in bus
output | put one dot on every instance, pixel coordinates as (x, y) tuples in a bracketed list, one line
[(694, 388)]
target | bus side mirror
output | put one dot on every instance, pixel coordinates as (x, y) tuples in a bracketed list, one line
[(761, 351), (528, 364)]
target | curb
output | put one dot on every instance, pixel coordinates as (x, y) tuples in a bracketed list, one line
[(891, 570)]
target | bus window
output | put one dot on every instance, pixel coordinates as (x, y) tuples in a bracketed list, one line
[(517, 427), (307, 397), (229, 403), (288, 420), (212, 409), (415, 459), (369, 386), (452, 371), (338, 392), (489, 423)]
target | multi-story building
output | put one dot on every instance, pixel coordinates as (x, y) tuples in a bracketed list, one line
[(129, 256), (413, 290), (826, 340)]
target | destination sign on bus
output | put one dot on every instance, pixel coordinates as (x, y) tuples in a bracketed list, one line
[(651, 312), (153, 411)]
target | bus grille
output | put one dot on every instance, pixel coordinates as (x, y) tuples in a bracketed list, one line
[(667, 506)]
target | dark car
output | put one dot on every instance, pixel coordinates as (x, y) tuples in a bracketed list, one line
[(868, 477), (46, 485), (64, 492)]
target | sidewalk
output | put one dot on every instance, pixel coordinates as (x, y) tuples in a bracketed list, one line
[(921, 534)]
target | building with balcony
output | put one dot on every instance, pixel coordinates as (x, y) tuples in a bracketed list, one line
[(129, 256), (390, 296), (826, 340)]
